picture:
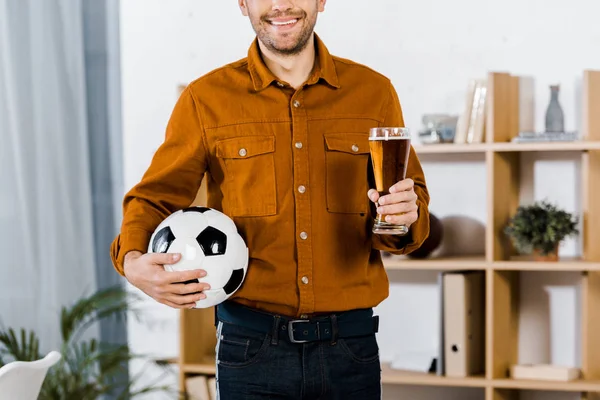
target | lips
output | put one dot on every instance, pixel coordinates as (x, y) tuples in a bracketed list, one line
[(284, 22)]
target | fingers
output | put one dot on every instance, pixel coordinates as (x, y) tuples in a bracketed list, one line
[(404, 219), (406, 184), (163, 258), (190, 288), (405, 196), (187, 299), (179, 306), (397, 208), (181, 276)]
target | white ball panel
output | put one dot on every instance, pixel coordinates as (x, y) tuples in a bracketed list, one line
[(213, 297), (221, 222), (168, 268), (218, 271), (188, 224), (192, 256), (239, 258)]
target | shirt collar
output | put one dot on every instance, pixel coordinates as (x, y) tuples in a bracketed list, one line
[(263, 77)]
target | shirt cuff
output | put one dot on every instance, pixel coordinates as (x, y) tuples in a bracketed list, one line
[(131, 240), (405, 244)]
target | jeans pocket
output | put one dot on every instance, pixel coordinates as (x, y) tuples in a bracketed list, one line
[(239, 347), (362, 349)]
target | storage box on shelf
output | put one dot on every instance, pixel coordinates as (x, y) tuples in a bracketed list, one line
[(502, 268)]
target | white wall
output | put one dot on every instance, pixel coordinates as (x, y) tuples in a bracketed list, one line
[(430, 49)]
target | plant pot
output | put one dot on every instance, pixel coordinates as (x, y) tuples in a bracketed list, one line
[(551, 256)]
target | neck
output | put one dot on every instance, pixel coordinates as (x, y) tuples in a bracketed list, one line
[(294, 69)]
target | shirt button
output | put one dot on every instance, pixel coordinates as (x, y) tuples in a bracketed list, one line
[(303, 235), (243, 152), (305, 280), (298, 145), (296, 103), (301, 189), (354, 148)]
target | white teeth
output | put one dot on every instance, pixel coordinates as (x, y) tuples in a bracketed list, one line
[(292, 21)]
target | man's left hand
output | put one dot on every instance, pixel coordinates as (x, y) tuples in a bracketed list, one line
[(400, 206)]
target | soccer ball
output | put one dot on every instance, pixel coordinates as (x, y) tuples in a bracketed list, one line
[(206, 239)]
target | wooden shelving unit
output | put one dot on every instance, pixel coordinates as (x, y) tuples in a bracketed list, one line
[(501, 265)]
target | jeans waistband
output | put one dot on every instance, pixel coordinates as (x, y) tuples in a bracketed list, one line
[(330, 327)]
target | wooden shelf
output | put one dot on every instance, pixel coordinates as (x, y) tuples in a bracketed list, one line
[(205, 368), (450, 148), (566, 265), (395, 263), (572, 386), (442, 264), (546, 146), (391, 376)]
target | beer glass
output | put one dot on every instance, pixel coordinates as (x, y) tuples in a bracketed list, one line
[(390, 147)]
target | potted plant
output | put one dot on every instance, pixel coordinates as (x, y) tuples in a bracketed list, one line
[(539, 228), (88, 369)]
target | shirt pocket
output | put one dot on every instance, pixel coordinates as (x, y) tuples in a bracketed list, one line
[(249, 185), (346, 157)]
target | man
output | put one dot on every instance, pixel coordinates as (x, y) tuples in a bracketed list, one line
[(283, 138)]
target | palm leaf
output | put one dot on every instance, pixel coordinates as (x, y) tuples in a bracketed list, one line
[(25, 349), (89, 309), (88, 369)]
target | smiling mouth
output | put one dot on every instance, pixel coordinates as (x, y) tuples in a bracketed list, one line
[(284, 23)]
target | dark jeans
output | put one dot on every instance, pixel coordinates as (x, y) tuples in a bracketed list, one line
[(254, 363)]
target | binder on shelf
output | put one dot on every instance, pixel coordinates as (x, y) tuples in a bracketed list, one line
[(440, 362), (464, 323)]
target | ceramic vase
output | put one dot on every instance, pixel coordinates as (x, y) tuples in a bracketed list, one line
[(555, 120)]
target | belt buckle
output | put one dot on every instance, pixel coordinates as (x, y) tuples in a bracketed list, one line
[(291, 330)]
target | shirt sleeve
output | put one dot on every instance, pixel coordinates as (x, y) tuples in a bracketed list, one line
[(170, 183), (419, 230)]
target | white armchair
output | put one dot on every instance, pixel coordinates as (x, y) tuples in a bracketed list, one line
[(23, 379)]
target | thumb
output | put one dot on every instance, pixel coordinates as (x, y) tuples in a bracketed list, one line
[(373, 195), (164, 258)]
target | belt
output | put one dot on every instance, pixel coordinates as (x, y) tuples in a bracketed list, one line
[(352, 323)]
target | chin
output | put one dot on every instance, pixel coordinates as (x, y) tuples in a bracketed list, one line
[(285, 46)]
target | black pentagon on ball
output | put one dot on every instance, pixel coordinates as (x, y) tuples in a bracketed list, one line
[(212, 241), (201, 210), (237, 276), (162, 240)]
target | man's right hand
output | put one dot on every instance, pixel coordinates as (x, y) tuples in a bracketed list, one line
[(146, 272)]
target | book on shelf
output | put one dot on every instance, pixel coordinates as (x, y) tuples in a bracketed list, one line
[(544, 372), (529, 137), (470, 127)]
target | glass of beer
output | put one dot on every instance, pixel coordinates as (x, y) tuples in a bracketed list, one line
[(390, 147)]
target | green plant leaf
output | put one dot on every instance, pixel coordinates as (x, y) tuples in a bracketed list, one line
[(25, 349), (88, 369), (540, 226), (89, 309)]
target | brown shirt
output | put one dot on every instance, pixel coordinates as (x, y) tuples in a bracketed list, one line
[(290, 168)]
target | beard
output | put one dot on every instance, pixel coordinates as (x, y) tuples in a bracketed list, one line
[(285, 43)]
